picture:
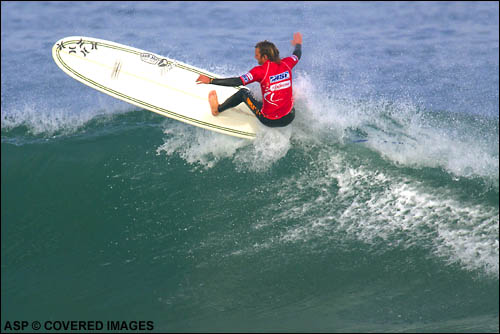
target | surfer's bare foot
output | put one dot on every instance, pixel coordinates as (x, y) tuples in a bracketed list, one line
[(214, 102)]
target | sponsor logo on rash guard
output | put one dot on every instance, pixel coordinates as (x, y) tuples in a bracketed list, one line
[(247, 77), (281, 85), (279, 77)]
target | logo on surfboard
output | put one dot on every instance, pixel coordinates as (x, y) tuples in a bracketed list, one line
[(150, 58), (81, 43), (154, 60)]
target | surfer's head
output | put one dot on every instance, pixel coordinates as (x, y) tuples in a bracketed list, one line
[(266, 50)]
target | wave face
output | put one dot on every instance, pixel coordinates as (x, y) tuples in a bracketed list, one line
[(377, 209)]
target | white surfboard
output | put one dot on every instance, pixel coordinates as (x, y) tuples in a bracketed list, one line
[(156, 83)]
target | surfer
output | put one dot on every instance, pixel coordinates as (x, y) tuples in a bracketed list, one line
[(275, 77)]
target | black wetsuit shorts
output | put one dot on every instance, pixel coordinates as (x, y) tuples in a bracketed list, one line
[(246, 96)]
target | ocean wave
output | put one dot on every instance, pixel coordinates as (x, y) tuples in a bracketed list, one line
[(338, 199)]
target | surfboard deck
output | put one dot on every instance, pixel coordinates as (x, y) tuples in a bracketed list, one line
[(153, 82)]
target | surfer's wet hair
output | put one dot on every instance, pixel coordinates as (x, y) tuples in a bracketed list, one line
[(270, 50)]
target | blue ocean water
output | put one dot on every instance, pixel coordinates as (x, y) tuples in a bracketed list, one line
[(377, 210)]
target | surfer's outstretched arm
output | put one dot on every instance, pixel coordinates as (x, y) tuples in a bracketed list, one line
[(297, 41), (236, 81)]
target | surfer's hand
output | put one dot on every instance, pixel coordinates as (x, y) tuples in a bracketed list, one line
[(203, 79), (297, 38)]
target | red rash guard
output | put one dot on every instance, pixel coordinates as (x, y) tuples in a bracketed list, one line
[(275, 84)]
